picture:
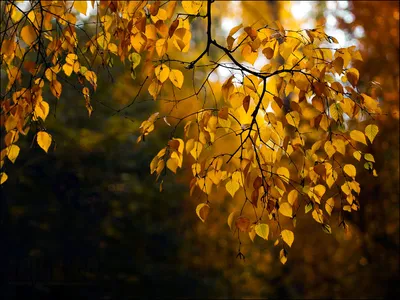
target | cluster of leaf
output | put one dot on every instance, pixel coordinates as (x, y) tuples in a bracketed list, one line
[(279, 136)]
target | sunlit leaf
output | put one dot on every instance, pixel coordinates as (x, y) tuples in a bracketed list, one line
[(286, 209), (262, 230), (371, 131), (44, 140), (358, 136), (350, 170), (176, 78), (288, 237)]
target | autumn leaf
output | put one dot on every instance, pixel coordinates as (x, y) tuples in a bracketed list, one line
[(288, 237), (371, 131), (81, 6), (176, 78), (358, 136), (162, 72), (350, 170), (242, 223), (262, 230), (202, 211), (286, 209), (44, 140), (28, 34)]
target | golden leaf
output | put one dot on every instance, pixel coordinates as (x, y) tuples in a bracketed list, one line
[(350, 170), (371, 131), (162, 72), (192, 7), (161, 47), (288, 237), (286, 209), (3, 177), (284, 174), (330, 203), (13, 151), (357, 155), (262, 230), (44, 140), (232, 186), (81, 6), (28, 34), (176, 78), (358, 136), (293, 118)]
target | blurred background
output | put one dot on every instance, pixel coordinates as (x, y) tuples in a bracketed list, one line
[(89, 220)]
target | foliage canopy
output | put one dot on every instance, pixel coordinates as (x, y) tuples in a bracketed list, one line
[(278, 136)]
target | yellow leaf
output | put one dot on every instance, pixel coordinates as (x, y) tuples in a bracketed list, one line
[(161, 47), (357, 155), (293, 118), (282, 256), (329, 149), (262, 231), (139, 41), (334, 112), (44, 140), (292, 196), (13, 151), (358, 136), (232, 186), (318, 191), (318, 215), (162, 72), (172, 164), (249, 55), (3, 177), (330, 203), (176, 78), (68, 69), (371, 131), (339, 145), (231, 217), (92, 78), (369, 157), (196, 150), (81, 6), (28, 34), (350, 170), (191, 7), (346, 188), (202, 211), (286, 209), (288, 237), (284, 174)]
